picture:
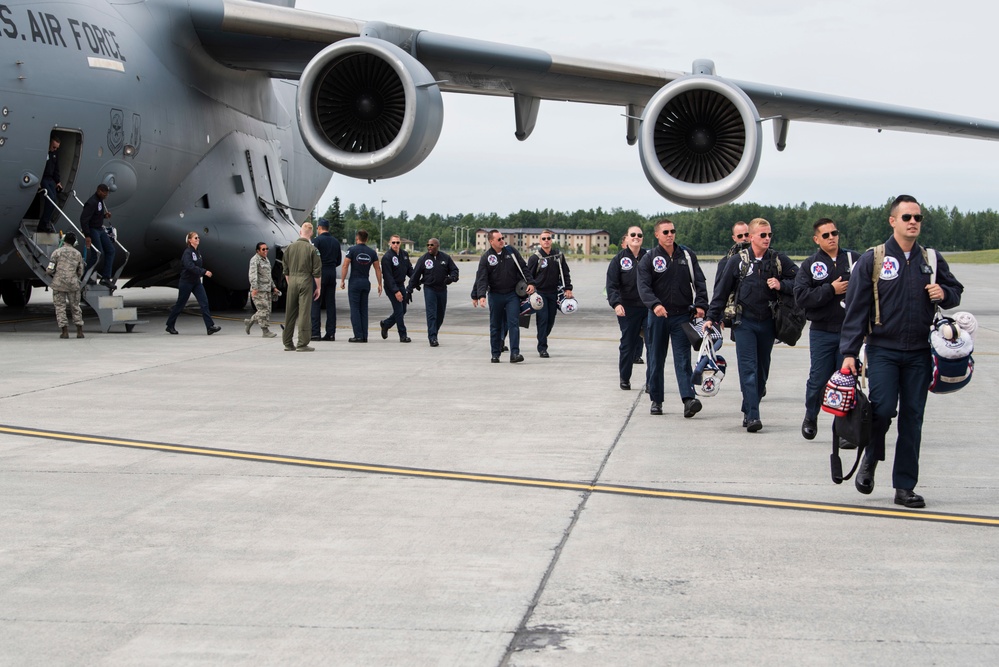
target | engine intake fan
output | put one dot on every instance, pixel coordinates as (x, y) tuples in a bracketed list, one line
[(700, 141), (368, 109)]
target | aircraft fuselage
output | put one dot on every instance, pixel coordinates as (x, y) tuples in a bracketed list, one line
[(185, 143)]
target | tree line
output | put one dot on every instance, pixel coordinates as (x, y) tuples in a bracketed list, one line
[(707, 231)]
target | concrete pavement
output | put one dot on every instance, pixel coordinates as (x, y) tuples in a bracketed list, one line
[(215, 500)]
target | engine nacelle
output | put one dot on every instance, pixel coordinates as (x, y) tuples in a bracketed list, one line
[(368, 109), (700, 141)]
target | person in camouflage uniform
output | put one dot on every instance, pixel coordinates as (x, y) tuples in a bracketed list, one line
[(262, 289), (66, 269)]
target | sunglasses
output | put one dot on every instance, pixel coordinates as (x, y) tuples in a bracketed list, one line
[(634, 235), (906, 217), (431, 245), (546, 238), (765, 235), (393, 242), (264, 249), (667, 232), (834, 233), (741, 236)]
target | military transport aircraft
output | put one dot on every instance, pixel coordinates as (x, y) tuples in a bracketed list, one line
[(229, 117)]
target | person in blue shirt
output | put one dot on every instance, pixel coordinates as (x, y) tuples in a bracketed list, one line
[(357, 266)]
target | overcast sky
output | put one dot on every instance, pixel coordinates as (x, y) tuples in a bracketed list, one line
[(934, 55)]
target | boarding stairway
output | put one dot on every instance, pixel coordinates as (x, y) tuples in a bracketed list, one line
[(35, 248)]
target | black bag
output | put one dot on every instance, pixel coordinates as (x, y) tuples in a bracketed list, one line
[(789, 320), (855, 428)]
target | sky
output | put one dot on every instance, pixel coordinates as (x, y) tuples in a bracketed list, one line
[(932, 55)]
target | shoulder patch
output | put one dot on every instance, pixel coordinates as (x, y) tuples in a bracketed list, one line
[(627, 264), (889, 268), (820, 271)]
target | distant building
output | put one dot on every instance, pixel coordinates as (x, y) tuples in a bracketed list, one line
[(569, 241)]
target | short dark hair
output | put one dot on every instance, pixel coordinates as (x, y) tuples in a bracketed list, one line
[(103, 188), (69, 239), (822, 221), (901, 199), (260, 245), (664, 221), (492, 232), (362, 234)]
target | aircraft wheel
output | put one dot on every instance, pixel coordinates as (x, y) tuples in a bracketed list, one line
[(15, 293)]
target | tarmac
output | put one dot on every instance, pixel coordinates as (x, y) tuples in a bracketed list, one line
[(195, 500)]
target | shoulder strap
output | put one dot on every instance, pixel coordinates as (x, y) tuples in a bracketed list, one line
[(690, 268), (879, 259), (930, 257)]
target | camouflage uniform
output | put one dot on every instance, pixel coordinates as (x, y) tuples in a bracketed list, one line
[(66, 269), (260, 280)]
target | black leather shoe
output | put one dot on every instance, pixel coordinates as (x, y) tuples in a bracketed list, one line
[(329, 337), (505, 348), (516, 358), (434, 343), (808, 429), (494, 360), (656, 409), (171, 330), (405, 339), (909, 499), (864, 480), (754, 425), (214, 329), (384, 330), (639, 361), (745, 421), (355, 340), (625, 385), (691, 407), (543, 355)]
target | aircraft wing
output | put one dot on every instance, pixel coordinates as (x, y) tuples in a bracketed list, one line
[(369, 100)]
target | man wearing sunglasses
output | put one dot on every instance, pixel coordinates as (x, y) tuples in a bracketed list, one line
[(623, 297), (740, 241), (755, 276), (896, 327), (551, 273), (671, 285), (435, 270), (500, 269), (262, 291), (820, 290), (396, 268)]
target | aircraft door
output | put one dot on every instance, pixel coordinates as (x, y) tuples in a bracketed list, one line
[(70, 150)]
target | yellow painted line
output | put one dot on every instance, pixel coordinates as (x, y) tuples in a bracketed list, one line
[(745, 501)]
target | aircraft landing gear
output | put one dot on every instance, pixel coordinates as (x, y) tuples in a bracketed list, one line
[(15, 293)]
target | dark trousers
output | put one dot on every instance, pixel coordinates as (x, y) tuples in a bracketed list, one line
[(631, 340), (100, 240), (899, 379), (546, 319), (184, 291), (823, 352), (357, 296), (327, 298), (754, 343), (47, 206), (436, 302), (661, 332), (397, 318), (504, 308)]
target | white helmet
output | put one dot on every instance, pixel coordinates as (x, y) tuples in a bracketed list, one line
[(710, 382), (568, 305), (537, 301)]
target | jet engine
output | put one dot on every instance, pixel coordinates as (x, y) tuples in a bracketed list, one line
[(368, 109), (700, 141)]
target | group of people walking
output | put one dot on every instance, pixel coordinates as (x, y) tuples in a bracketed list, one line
[(847, 299)]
